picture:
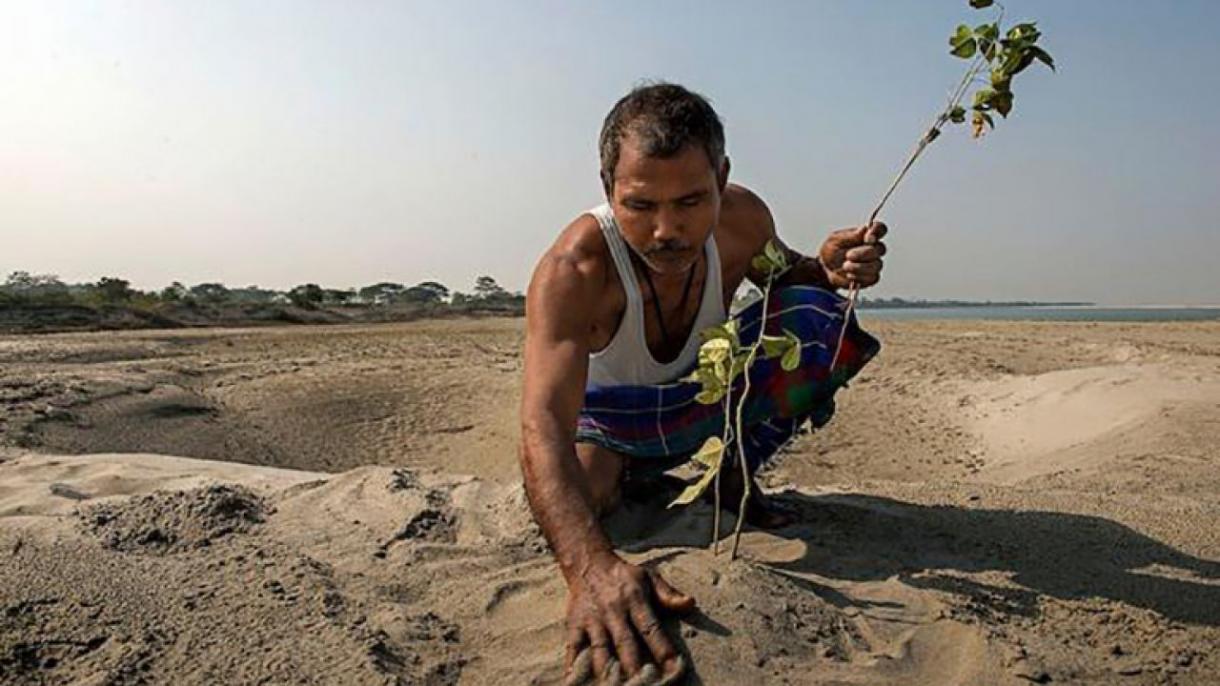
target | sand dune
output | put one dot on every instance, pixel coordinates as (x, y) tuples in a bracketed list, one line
[(982, 511), (1044, 423)]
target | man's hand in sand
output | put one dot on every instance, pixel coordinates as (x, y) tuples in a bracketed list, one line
[(853, 256), (612, 611)]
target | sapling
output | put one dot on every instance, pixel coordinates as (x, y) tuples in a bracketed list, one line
[(1003, 58), (722, 357)]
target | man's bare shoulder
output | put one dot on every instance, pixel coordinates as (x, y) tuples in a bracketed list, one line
[(572, 274), (745, 220)]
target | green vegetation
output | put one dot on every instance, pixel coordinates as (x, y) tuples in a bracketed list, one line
[(44, 302)]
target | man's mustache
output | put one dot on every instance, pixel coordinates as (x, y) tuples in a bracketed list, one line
[(667, 248)]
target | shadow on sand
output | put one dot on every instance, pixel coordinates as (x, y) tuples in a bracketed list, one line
[(1065, 556)]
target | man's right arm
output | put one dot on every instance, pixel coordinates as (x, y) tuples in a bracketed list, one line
[(559, 308), (610, 602)]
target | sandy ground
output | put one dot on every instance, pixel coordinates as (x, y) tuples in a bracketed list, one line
[(995, 503)]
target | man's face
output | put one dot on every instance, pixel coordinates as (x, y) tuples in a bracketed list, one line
[(666, 207)]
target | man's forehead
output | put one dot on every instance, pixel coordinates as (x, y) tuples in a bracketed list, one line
[(678, 175), (673, 187)]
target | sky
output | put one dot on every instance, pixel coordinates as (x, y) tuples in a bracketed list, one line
[(280, 142)]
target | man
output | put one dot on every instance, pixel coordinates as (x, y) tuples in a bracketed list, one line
[(618, 301)]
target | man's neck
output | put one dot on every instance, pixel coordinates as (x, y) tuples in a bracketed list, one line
[(669, 285)]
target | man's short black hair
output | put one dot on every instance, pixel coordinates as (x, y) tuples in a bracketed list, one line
[(663, 118)]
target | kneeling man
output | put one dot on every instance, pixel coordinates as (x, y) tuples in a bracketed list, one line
[(613, 314)]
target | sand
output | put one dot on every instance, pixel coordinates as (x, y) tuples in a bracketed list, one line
[(995, 503)]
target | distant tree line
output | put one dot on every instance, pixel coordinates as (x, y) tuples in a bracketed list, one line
[(24, 288)]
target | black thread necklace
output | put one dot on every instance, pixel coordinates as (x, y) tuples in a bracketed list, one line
[(656, 299)]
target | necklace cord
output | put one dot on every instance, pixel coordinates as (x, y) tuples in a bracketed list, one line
[(656, 298)]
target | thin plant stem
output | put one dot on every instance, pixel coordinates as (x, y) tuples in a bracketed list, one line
[(926, 139), (745, 394), (720, 463)]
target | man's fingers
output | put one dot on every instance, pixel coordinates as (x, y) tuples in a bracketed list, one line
[(844, 238), (576, 641), (581, 671), (671, 599), (649, 628), (599, 647), (875, 232), (865, 274), (863, 268), (859, 235), (866, 253), (625, 645)]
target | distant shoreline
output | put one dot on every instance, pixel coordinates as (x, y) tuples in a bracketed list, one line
[(901, 304)]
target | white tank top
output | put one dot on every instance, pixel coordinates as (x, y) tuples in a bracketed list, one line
[(626, 360)]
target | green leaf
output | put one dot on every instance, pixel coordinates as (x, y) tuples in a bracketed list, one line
[(1009, 60), (957, 115), (980, 4), (777, 256), (706, 376), (965, 50), (1024, 32), (791, 359), (715, 350), (726, 331), (739, 365), (987, 32), (696, 376), (774, 346), (1025, 59), (710, 453), (711, 456), (1002, 102), (982, 98), (960, 35), (762, 264), (693, 491), (1042, 56), (1000, 80), (986, 47), (962, 42)]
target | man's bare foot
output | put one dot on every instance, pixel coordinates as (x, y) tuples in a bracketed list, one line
[(760, 511)]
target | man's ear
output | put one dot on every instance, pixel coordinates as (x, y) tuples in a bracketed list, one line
[(722, 177)]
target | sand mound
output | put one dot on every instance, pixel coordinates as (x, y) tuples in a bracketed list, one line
[(1037, 424), (176, 521)]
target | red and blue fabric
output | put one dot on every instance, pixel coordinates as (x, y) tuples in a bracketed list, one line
[(662, 425)]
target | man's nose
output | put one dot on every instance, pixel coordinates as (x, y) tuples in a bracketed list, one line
[(669, 226)]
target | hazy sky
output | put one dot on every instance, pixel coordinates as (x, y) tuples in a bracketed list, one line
[(272, 143)]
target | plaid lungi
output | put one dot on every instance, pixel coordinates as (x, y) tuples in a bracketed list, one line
[(660, 426)]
